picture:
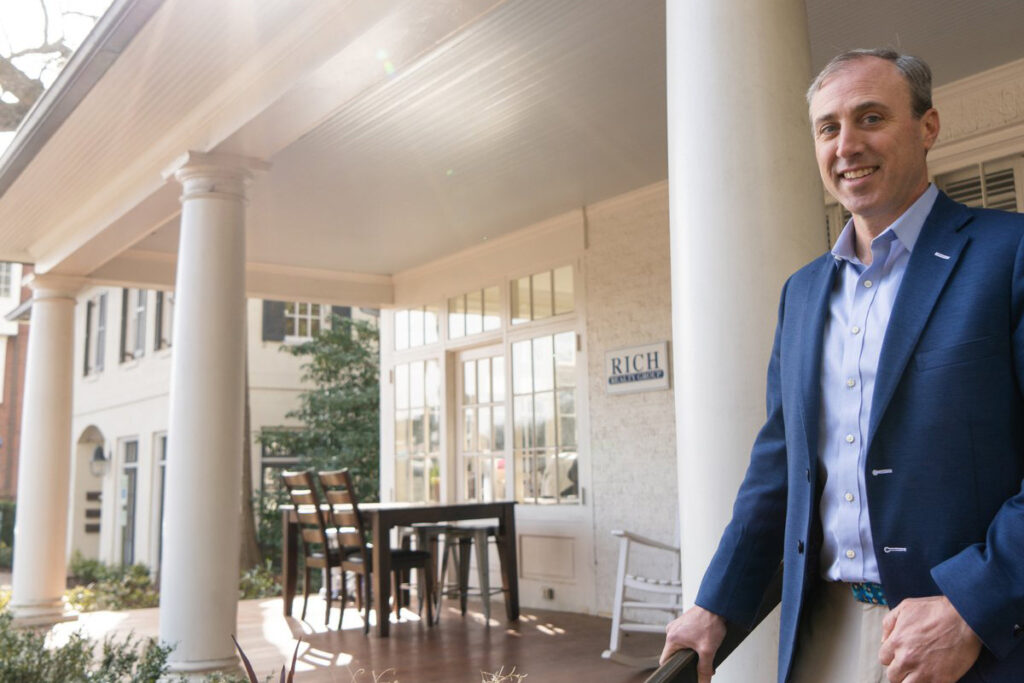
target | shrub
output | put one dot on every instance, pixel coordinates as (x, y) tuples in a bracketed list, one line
[(110, 587), (259, 582), (26, 658)]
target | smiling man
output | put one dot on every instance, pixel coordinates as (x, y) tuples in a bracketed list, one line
[(887, 477)]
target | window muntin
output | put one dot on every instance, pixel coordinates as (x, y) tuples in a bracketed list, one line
[(544, 426), (416, 327), (542, 295), (418, 431), (474, 312)]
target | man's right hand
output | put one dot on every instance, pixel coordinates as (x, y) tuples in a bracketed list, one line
[(701, 631)]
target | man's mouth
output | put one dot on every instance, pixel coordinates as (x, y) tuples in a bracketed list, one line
[(857, 173)]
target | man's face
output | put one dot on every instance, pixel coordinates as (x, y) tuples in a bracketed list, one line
[(870, 147)]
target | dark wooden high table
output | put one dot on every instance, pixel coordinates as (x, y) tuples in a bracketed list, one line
[(382, 517)]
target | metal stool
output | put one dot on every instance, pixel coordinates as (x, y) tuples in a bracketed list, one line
[(457, 541)]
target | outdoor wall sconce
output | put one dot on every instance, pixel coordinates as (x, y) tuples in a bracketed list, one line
[(99, 464)]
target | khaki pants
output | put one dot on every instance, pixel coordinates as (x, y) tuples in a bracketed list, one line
[(839, 639)]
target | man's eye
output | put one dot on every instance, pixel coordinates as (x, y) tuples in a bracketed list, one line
[(872, 118), (827, 130)]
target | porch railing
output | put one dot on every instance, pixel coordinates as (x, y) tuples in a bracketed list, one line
[(682, 666)]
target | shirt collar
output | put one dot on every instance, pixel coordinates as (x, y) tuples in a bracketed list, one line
[(906, 228)]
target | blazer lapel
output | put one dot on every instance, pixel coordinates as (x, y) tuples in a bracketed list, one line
[(812, 322), (934, 258)]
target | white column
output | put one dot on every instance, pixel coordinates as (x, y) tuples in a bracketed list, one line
[(44, 460), (199, 573), (746, 210)]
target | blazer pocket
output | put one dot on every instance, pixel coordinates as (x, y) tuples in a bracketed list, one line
[(964, 352)]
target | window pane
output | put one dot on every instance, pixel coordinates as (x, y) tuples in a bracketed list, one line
[(430, 316), (401, 387), (567, 419), (486, 480), (433, 383), (492, 308), (499, 427), (498, 378), (542, 295), (416, 377), (543, 364), (524, 487), (303, 327), (522, 414), (568, 478), (434, 429), (564, 300), (522, 368), (401, 432), (500, 479), (484, 430), (547, 475), (544, 419), (520, 292), (474, 312), (565, 359), (417, 435), (419, 479), (483, 379), (469, 382), (415, 327), (434, 488), (401, 330), (469, 477), (403, 472), (456, 317), (468, 430)]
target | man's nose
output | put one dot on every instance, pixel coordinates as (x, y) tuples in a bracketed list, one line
[(849, 142)]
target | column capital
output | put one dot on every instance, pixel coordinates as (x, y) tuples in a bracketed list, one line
[(204, 174), (53, 286)]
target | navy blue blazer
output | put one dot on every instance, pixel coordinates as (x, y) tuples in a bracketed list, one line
[(945, 446)]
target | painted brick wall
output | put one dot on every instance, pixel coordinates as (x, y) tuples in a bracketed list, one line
[(632, 436)]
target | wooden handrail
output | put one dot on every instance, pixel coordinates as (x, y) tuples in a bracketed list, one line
[(682, 665)]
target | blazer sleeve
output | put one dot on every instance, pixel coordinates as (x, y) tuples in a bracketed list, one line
[(751, 546), (985, 582)]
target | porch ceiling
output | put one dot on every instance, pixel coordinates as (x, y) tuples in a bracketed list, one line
[(409, 131)]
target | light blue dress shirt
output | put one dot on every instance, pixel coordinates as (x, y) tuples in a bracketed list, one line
[(859, 308)]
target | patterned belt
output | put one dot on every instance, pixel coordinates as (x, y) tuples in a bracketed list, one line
[(870, 593)]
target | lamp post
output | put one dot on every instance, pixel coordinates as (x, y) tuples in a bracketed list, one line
[(99, 465)]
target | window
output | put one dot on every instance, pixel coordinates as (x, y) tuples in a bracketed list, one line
[(542, 295), (133, 323), (163, 327), (482, 429), (418, 431), (544, 437), (991, 185), (95, 333), (129, 490), (474, 312), (5, 279), (302, 319), (161, 450), (415, 327)]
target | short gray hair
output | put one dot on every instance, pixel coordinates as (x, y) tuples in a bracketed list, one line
[(917, 74)]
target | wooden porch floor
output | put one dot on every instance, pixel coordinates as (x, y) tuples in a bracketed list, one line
[(544, 645)]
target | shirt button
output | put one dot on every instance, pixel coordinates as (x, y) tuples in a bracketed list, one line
[(868, 283), (854, 330), (849, 438), (848, 497), (850, 554), (851, 382)]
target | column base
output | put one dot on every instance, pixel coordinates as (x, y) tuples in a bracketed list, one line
[(34, 616), (197, 670)]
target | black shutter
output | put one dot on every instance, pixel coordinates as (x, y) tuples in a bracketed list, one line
[(88, 335), (273, 320), (342, 311), (124, 325), (158, 321)]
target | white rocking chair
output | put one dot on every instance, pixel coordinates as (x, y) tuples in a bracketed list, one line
[(668, 597)]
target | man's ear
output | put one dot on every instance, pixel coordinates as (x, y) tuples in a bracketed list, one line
[(929, 128)]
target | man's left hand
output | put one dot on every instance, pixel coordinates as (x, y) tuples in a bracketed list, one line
[(925, 640)]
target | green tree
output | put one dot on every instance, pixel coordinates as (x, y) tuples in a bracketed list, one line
[(341, 413)]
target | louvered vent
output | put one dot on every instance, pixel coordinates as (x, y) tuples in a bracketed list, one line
[(993, 189)]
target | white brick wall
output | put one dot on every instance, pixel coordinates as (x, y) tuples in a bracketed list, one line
[(632, 436)]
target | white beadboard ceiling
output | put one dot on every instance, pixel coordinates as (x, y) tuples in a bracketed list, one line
[(451, 124)]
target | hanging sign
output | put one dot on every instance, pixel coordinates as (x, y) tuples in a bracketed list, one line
[(637, 368)]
